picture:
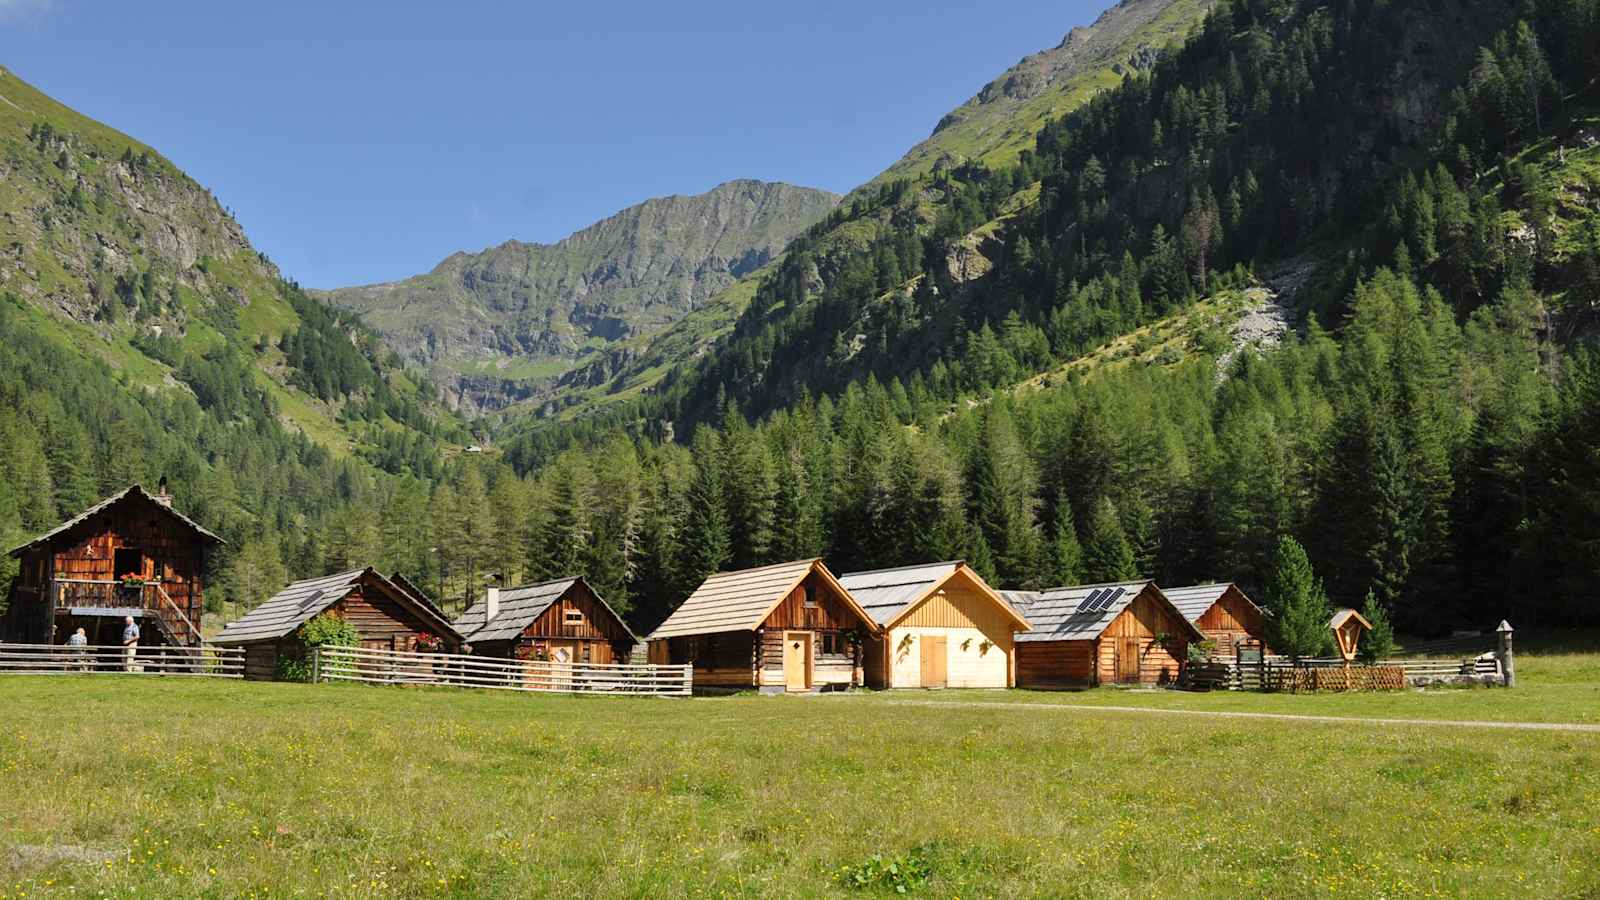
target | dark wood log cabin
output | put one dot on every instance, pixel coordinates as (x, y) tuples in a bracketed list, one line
[(386, 616), (785, 627), (1126, 633), (562, 621), (1223, 614), (130, 554)]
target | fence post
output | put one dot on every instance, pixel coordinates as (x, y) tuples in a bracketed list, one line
[(1508, 670), (316, 664)]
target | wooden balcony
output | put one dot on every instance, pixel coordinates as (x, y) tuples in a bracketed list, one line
[(83, 593)]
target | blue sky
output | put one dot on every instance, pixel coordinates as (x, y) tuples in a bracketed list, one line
[(362, 142)]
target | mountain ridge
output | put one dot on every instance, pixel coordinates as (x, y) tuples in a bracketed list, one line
[(522, 312)]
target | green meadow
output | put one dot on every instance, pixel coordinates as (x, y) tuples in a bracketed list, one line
[(167, 788)]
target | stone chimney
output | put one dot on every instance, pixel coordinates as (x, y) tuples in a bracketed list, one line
[(163, 496), (491, 602)]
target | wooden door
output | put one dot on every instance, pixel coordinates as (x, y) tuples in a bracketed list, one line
[(797, 660), (1127, 660), (935, 653)]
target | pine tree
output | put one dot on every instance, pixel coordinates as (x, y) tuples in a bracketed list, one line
[(1299, 607)]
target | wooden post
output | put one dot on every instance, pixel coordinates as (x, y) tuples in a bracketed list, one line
[(1508, 669), (316, 665)]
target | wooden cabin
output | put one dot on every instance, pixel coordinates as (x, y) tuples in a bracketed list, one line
[(1127, 633), (131, 554), (386, 616), (940, 625), (785, 627), (1223, 614), (561, 621)]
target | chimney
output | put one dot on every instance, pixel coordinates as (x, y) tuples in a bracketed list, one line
[(163, 496), (491, 602)]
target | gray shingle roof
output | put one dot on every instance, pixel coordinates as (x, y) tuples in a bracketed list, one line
[(1020, 600), (1193, 601), (290, 608), (741, 601), (131, 491), (1060, 614), (884, 593), (519, 606)]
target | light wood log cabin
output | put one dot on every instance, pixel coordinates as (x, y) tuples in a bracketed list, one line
[(1127, 633), (785, 627), (940, 625), (1223, 614), (386, 616), (560, 621), (131, 554)]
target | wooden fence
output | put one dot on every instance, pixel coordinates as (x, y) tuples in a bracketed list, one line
[(58, 659), (1280, 673), (458, 670)]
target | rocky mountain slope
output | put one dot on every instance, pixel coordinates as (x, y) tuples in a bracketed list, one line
[(495, 325)]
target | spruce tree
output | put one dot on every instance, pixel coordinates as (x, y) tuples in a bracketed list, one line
[(706, 546), (1299, 607), (1106, 554)]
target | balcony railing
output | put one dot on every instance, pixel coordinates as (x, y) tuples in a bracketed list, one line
[(66, 593)]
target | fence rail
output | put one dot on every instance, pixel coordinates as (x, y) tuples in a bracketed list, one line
[(367, 666), (1272, 673), (58, 659)]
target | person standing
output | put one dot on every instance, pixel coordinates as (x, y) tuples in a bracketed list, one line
[(79, 642), (130, 642)]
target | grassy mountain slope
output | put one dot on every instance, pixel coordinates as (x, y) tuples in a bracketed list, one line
[(496, 324), (1002, 120), (995, 126)]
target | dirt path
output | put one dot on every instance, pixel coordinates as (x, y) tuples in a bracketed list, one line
[(1286, 717)]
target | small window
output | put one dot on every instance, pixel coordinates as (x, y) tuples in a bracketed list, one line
[(810, 599), (127, 561), (572, 617), (585, 652)]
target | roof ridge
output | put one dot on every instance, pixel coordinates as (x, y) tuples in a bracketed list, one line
[(778, 565), (926, 565), (1100, 584), (523, 587)]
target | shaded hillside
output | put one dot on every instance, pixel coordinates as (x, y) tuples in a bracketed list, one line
[(144, 337), (494, 325)]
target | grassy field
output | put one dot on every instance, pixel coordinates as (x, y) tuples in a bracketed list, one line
[(185, 788)]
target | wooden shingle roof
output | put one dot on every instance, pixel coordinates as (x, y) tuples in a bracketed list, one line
[(889, 594), (301, 601), (1084, 612), (131, 492), (290, 608), (741, 601), (519, 607), (1194, 600)]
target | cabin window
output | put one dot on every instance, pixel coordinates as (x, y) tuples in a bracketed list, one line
[(835, 644), (691, 648), (810, 599), (572, 617), (127, 561), (585, 652)]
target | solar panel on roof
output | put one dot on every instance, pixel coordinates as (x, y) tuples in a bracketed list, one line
[(1090, 602), (315, 596), (1111, 597)]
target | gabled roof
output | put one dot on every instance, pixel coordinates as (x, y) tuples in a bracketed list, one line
[(1020, 600), (741, 601), (519, 607), (888, 595), (1194, 600), (1345, 615), (133, 491), (299, 602), (417, 594), (1084, 612)]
